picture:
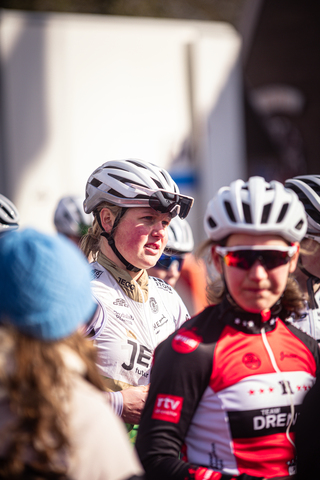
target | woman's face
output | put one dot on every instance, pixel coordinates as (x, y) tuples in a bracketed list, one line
[(141, 236), (258, 288), (311, 260)]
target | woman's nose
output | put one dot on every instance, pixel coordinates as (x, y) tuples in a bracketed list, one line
[(258, 270), (159, 229)]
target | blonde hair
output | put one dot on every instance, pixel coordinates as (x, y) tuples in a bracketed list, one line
[(35, 377), (292, 298), (305, 247), (90, 243)]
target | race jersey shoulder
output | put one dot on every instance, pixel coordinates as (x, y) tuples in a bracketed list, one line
[(224, 395), (309, 319), (127, 331)]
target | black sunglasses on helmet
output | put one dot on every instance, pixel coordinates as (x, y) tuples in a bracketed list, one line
[(167, 202)]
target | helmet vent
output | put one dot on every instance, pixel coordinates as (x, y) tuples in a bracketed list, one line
[(7, 211), (115, 193), (299, 225), (265, 213), (211, 222), (137, 164), (115, 168), (315, 215), (247, 212), (125, 181), (157, 183), (283, 212), (95, 182), (313, 185), (230, 211)]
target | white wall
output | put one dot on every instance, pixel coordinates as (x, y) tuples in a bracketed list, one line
[(79, 90)]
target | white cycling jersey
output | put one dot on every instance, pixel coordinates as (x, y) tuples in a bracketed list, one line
[(126, 329), (309, 319)]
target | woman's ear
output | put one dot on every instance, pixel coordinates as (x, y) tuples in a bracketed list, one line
[(294, 259), (216, 259), (107, 219)]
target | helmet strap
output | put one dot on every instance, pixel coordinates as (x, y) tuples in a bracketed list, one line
[(111, 242)]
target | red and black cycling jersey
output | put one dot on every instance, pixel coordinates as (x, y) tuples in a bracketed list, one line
[(226, 390)]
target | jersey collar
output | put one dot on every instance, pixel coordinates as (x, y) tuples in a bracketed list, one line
[(134, 289)]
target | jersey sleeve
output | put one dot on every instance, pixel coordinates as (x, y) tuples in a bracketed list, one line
[(177, 383)]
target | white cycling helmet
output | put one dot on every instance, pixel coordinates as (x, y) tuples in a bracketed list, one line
[(9, 215), (135, 183), (69, 217), (307, 187), (258, 208), (180, 238)]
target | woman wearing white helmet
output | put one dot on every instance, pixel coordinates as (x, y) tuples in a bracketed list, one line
[(227, 387), (70, 219), (307, 273), (9, 216), (132, 202), (180, 242)]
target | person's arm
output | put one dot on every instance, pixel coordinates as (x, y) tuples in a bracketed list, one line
[(129, 403), (177, 384), (134, 400)]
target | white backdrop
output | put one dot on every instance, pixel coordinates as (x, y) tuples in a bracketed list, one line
[(79, 90)]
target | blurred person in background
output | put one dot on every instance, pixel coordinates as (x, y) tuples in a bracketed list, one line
[(307, 187), (180, 242), (54, 419), (9, 215), (133, 203), (227, 387), (70, 219), (307, 436)]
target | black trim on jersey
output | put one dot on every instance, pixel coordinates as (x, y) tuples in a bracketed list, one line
[(254, 423)]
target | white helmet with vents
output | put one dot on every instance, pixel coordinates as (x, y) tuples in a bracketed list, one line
[(258, 208), (180, 238), (307, 187), (9, 215), (69, 217), (135, 183)]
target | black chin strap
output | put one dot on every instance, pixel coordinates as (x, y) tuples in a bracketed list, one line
[(111, 242), (312, 280)]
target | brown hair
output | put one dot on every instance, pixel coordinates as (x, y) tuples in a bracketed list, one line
[(90, 243), (292, 299), (35, 377)]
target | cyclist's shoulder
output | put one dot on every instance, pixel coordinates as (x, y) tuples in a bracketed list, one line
[(197, 330), (98, 272), (160, 286)]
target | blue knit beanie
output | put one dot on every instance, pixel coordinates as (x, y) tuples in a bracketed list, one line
[(44, 284)]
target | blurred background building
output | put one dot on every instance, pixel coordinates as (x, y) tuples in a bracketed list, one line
[(212, 90)]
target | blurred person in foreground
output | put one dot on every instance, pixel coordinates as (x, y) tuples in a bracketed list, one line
[(180, 242), (307, 436), (54, 419), (307, 273), (227, 387), (70, 219), (9, 216), (133, 203)]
